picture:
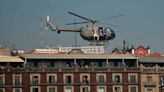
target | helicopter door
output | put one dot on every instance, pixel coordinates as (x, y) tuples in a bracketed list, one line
[(95, 33)]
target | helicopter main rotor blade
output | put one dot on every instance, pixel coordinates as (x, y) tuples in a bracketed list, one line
[(109, 24), (77, 23), (112, 17), (80, 16)]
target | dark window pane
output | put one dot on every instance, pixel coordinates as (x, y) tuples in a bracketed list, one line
[(132, 89)]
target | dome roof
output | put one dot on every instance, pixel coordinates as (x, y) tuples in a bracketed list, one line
[(76, 51)]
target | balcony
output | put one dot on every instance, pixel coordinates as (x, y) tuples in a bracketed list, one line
[(116, 82), (133, 82), (76, 69), (34, 82), (50, 82), (85, 82), (149, 83), (101, 82), (17, 84)]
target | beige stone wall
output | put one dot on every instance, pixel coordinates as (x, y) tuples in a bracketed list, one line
[(155, 80), (6, 52)]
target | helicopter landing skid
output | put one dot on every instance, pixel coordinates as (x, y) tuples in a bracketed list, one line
[(95, 43)]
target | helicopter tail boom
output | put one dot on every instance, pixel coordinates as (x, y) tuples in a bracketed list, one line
[(51, 26)]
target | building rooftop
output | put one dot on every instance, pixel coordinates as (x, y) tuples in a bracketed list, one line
[(10, 59), (78, 56), (150, 59)]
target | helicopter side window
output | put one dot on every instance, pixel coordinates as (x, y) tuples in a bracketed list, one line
[(101, 32), (107, 29)]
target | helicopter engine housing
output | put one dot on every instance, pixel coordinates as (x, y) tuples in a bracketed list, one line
[(86, 33)]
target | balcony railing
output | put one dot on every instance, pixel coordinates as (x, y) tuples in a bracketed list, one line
[(72, 69), (17, 84), (101, 82), (132, 82), (35, 82), (116, 82), (149, 83), (51, 82), (85, 82)]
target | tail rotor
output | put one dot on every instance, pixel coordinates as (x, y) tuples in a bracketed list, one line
[(48, 19)]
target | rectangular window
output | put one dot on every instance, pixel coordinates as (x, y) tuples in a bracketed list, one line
[(101, 89), (85, 89), (35, 89), (52, 89), (101, 79), (17, 79), (51, 79), (149, 90), (85, 79), (133, 89), (17, 89), (132, 79), (162, 80), (117, 89), (68, 89), (35, 79), (68, 79), (117, 79), (2, 90), (149, 79), (2, 79)]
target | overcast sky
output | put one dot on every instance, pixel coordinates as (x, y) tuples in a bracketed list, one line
[(142, 23)]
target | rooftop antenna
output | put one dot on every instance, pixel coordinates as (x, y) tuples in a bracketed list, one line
[(41, 32), (124, 42), (75, 33)]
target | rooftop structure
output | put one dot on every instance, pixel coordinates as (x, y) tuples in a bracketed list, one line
[(85, 49)]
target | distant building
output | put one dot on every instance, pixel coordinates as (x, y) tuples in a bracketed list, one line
[(152, 74), (140, 51)]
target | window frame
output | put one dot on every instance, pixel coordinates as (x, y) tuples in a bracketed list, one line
[(3, 80), (20, 80), (72, 78), (31, 79), (117, 74), (48, 88), (130, 86), (132, 74), (72, 88), (100, 74), (81, 88), (48, 75), (14, 89), (31, 89), (84, 74), (105, 90), (121, 88)]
